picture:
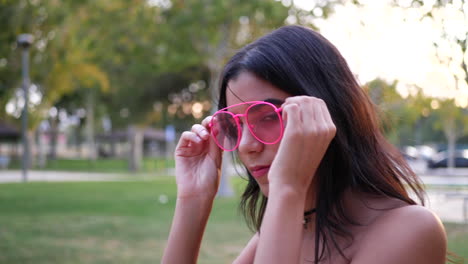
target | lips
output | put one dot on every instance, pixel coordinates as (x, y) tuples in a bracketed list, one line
[(259, 171)]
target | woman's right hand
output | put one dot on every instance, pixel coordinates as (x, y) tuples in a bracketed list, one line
[(197, 163)]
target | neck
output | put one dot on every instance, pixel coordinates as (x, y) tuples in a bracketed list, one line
[(310, 201), (309, 208)]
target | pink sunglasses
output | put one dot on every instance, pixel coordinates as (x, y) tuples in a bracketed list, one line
[(262, 118)]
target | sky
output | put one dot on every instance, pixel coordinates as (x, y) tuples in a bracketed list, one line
[(397, 43)]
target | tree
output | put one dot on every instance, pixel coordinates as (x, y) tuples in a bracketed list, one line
[(74, 69), (390, 104), (214, 29), (214, 33), (451, 45), (401, 117), (41, 18), (152, 56), (451, 17), (453, 121)]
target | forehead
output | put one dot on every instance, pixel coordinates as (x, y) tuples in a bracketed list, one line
[(248, 87)]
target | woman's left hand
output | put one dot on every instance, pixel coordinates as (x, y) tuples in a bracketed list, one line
[(308, 132)]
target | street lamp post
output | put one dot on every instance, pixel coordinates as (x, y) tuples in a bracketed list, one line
[(24, 42)]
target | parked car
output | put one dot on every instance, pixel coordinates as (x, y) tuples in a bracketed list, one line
[(424, 152), (441, 159), (409, 153)]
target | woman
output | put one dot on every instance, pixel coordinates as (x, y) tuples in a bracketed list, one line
[(323, 183)]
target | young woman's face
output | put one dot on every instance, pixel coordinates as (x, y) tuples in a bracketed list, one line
[(256, 156)]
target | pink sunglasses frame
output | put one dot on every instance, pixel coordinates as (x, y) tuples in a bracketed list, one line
[(239, 130)]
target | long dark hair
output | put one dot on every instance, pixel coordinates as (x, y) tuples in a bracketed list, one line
[(300, 61)]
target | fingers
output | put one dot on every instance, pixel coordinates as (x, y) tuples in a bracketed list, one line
[(213, 148), (206, 121), (292, 117), (197, 141), (310, 108), (196, 135), (327, 119), (187, 139), (200, 131), (312, 116)]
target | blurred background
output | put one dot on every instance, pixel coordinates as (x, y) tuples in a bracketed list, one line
[(94, 95)]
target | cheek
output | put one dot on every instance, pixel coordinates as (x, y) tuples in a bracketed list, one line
[(242, 157), (272, 150)]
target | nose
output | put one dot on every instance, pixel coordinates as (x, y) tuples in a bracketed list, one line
[(248, 143)]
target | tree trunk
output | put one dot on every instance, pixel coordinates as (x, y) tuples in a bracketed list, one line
[(53, 133), (90, 125), (135, 139), (42, 149), (78, 139), (112, 145), (32, 149), (450, 134), (451, 151), (418, 132)]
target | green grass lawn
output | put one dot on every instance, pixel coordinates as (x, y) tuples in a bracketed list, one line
[(104, 222), (117, 222)]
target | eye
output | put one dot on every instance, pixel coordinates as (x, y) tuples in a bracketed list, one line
[(270, 117)]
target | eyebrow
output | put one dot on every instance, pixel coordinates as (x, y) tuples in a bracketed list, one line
[(274, 101)]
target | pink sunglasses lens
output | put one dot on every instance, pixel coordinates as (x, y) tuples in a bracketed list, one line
[(225, 131), (265, 123)]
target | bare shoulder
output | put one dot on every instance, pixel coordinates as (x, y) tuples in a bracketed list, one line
[(409, 234)]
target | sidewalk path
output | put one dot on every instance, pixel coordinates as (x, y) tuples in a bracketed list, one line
[(448, 205), (51, 176), (444, 180)]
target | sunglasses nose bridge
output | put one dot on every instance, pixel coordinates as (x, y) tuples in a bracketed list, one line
[(238, 119)]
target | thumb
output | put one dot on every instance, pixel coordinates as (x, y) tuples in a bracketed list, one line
[(214, 151)]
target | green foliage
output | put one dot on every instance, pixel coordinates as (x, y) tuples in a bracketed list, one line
[(416, 118), (16, 17), (389, 103), (397, 114), (133, 54), (49, 61), (452, 119)]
